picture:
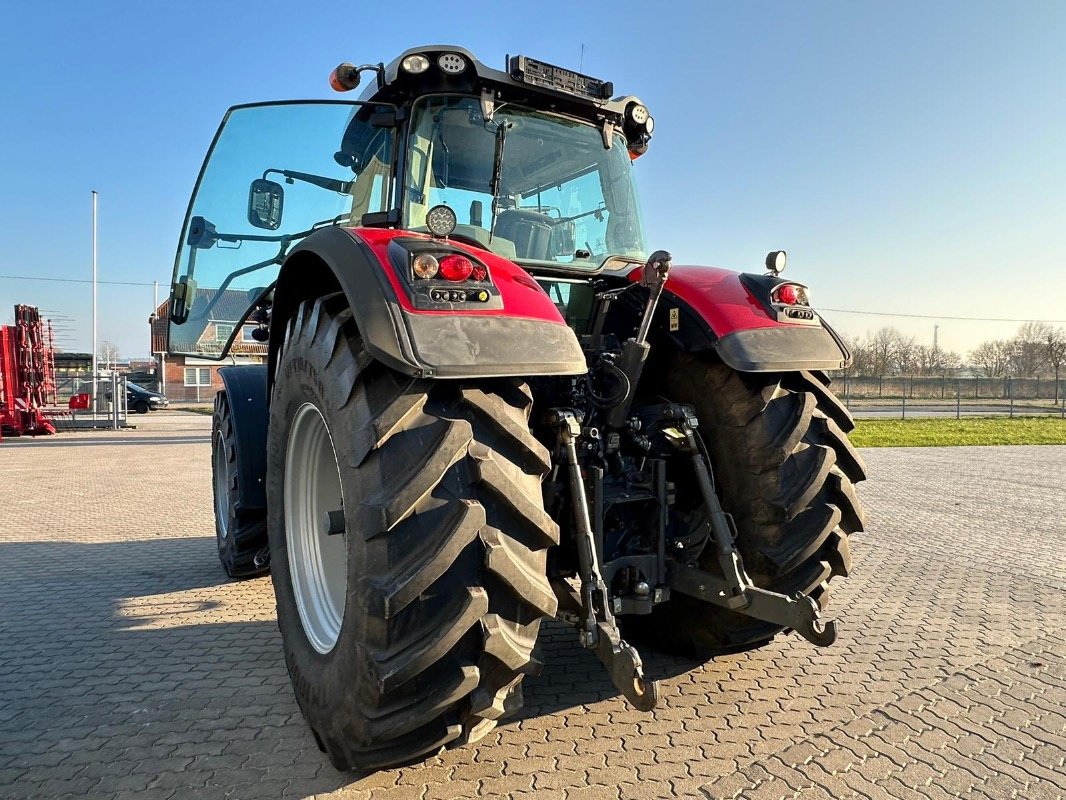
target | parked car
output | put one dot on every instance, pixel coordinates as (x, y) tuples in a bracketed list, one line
[(142, 400)]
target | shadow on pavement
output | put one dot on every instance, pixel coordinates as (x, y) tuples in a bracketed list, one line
[(140, 665)]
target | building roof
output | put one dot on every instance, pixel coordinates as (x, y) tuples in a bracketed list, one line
[(227, 309)]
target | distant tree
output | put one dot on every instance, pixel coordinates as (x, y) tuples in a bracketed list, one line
[(860, 356), (950, 362), (1028, 349), (108, 353), (882, 344), (1055, 340), (905, 354), (992, 359)]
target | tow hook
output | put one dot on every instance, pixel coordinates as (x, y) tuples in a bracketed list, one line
[(597, 629), (735, 589)]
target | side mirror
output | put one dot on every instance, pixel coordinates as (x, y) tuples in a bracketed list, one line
[(266, 200), (182, 295)]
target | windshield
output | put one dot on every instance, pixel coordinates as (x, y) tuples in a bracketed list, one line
[(561, 197)]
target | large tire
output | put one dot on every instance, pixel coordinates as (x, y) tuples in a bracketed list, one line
[(785, 470), (445, 545), (240, 533)]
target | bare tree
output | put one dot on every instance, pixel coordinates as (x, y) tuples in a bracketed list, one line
[(1056, 353), (860, 356), (905, 354), (992, 358), (882, 344), (108, 353), (1029, 349)]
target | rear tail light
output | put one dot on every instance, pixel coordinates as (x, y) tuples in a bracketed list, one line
[(791, 294), (456, 268), (452, 267)]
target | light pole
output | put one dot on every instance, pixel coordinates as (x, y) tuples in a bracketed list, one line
[(95, 364)]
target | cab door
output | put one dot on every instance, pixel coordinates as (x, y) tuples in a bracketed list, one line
[(274, 173)]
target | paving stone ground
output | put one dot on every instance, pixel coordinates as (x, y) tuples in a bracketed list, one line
[(130, 667)]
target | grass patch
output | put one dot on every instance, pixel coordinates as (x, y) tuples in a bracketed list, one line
[(957, 432), (208, 410)]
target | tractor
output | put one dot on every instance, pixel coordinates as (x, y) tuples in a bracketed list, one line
[(463, 397)]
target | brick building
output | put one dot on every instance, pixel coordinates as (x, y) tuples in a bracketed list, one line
[(195, 378)]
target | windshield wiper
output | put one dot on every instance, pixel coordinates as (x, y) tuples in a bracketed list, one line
[(497, 172), (332, 184)]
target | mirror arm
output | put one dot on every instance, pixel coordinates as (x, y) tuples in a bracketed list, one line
[(277, 259)]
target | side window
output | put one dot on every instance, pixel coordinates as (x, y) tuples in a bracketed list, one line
[(198, 376), (274, 174)]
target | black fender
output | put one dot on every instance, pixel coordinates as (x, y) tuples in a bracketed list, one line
[(246, 390), (428, 345)]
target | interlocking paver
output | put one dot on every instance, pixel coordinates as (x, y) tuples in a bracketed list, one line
[(129, 666)]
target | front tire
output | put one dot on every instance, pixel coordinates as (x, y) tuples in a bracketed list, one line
[(239, 533), (427, 630), (786, 472)]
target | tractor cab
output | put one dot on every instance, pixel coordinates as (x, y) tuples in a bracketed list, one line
[(532, 164)]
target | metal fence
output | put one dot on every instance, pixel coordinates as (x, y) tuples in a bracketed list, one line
[(111, 408), (948, 388)]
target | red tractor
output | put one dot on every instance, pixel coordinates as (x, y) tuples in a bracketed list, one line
[(484, 403)]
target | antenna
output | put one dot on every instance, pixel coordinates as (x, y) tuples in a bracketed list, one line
[(581, 62)]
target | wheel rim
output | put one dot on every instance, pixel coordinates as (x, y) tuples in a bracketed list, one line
[(220, 468), (318, 562)]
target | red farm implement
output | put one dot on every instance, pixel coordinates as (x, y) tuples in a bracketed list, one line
[(27, 374)]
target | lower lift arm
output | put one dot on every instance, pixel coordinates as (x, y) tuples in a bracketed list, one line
[(735, 590)]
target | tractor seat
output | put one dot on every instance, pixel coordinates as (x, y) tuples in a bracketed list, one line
[(530, 231)]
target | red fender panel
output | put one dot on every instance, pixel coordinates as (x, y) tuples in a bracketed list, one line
[(515, 331), (740, 328)]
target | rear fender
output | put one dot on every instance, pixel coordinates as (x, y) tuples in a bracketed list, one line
[(246, 391), (517, 332), (706, 308)]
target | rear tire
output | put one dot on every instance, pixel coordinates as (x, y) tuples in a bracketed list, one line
[(445, 546), (786, 472), (240, 534)]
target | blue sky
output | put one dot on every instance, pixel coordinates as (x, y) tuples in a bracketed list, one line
[(911, 157)]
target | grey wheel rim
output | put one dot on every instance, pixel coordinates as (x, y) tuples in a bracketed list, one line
[(220, 466), (318, 562)]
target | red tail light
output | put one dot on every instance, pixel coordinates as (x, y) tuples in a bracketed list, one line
[(456, 268), (787, 295)]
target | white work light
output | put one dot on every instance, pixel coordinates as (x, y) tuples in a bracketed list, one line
[(452, 63), (415, 64)]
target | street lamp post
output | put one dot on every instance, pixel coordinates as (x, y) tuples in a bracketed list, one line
[(95, 364)]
